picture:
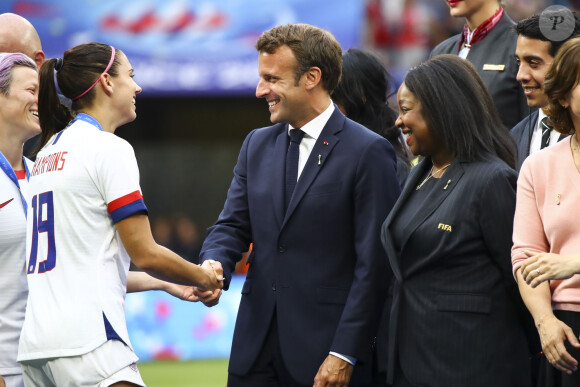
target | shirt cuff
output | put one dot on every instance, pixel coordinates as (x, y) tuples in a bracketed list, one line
[(349, 359)]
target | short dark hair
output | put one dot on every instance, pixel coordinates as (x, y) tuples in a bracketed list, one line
[(459, 110), (530, 28), (363, 92), (312, 47), (561, 78), (80, 67)]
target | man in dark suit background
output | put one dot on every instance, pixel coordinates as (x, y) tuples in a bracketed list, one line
[(534, 54), (317, 275), (488, 41)]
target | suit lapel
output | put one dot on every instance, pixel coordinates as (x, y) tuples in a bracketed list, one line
[(413, 180), (321, 151), (278, 177), (526, 138), (444, 187)]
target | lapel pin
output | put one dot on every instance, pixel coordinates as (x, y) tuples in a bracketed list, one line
[(325, 142), (319, 158), (447, 185), (558, 199)]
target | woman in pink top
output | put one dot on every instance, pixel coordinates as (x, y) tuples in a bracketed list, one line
[(546, 233)]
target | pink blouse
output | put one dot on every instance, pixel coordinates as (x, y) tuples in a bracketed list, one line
[(547, 217)]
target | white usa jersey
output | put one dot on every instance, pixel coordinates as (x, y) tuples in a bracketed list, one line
[(83, 182), (14, 289)]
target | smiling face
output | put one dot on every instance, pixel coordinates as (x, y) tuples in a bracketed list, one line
[(126, 90), (19, 107), (287, 99), (466, 8), (413, 124), (534, 60)]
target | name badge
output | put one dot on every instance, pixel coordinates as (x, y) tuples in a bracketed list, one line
[(493, 67)]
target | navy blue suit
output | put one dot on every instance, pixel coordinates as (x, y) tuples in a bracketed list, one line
[(320, 265)]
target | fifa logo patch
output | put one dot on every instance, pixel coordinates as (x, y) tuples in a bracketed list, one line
[(444, 227)]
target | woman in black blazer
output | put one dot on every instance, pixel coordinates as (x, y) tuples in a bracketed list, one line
[(454, 316)]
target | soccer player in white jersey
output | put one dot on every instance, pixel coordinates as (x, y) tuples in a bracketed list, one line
[(18, 123), (86, 221)]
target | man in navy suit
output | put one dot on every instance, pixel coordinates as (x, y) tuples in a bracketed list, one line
[(318, 275), (534, 54)]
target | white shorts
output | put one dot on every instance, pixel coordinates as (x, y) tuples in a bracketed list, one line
[(108, 364), (13, 380)]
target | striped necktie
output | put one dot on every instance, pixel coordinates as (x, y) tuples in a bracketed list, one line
[(546, 131)]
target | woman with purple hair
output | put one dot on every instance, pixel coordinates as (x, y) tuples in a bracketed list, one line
[(18, 123)]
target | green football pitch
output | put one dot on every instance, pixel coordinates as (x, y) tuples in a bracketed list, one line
[(199, 373)]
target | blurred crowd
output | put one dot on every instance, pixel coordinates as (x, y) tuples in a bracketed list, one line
[(403, 32)]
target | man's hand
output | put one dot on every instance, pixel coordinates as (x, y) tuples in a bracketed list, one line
[(553, 333), (210, 298), (334, 372), (547, 266), (2, 382), (215, 273)]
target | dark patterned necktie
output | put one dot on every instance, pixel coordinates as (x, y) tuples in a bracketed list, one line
[(546, 131), (292, 157)]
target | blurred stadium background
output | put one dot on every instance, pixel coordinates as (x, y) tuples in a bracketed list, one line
[(198, 69)]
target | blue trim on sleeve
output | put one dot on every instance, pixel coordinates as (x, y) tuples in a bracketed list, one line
[(128, 210)]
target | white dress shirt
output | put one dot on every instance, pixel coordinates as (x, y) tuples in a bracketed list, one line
[(312, 131), (536, 141), (466, 47)]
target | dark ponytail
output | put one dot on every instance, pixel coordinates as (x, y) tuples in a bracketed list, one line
[(77, 73), (53, 115)]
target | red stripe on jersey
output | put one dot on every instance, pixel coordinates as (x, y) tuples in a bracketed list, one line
[(124, 200), (20, 175)]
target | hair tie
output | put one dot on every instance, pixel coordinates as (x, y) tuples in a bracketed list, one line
[(58, 64), (104, 72)]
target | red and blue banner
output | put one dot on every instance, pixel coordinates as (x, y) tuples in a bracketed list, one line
[(189, 47)]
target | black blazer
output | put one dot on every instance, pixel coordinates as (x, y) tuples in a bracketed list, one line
[(454, 319), (319, 265), (497, 48), (522, 134)]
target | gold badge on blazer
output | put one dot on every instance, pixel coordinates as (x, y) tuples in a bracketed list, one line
[(444, 227), (493, 67)]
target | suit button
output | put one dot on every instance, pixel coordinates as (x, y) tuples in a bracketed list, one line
[(282, 249), (274, 286)]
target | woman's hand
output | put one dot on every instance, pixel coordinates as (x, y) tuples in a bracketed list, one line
[(547, 266), (553, 333), (185, 293)]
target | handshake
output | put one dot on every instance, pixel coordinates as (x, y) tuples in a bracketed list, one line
[(208, 294)]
